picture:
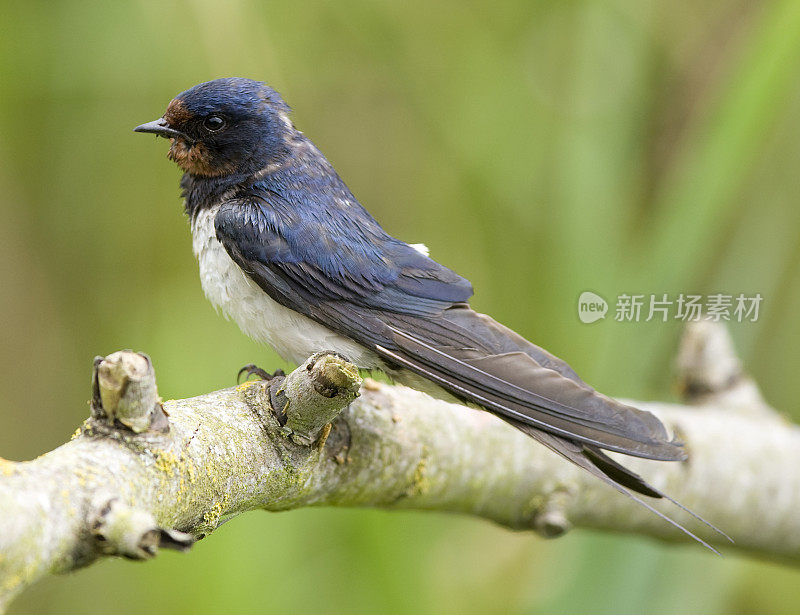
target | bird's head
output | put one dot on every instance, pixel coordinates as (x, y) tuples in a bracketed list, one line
[(225, 126)]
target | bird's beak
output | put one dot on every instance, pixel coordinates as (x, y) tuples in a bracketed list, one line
[(160, 127)]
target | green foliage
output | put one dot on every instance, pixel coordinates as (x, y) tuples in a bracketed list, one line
[(539, 148)]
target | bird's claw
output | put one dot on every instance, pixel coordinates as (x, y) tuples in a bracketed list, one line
[(254, 370)]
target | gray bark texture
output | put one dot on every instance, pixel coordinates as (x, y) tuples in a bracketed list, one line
[(141, 474)]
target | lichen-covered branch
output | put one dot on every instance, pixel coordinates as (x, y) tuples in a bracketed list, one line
[(140, 474)]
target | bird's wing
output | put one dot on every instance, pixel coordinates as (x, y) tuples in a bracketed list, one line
[(412, 312)]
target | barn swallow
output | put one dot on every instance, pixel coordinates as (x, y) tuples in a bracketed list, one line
[(289, 253)]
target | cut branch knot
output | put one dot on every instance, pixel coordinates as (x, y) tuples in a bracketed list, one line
[(125, 390), (116, 486), (551, 520), (133, 533), (708, 371), (315, 394)]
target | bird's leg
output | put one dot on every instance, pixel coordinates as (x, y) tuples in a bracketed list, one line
[(254, 370), (275, 379)]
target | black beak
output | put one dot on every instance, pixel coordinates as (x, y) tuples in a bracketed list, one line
[(160, 127)]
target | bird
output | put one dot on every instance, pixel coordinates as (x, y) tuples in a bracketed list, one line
[(287, 251)]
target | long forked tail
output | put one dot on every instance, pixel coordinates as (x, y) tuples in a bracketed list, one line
[(481, 361), (585, 455), (627, 482)]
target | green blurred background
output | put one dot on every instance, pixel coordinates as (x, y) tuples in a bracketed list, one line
[(539, 148)]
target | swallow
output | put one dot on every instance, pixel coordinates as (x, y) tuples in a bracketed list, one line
[(288, 253)]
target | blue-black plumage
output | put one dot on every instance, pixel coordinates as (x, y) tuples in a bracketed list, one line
[(287, 251)]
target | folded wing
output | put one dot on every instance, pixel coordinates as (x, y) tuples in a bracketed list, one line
[(412, 312)]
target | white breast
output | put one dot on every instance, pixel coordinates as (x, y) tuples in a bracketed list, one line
[(295, 337)]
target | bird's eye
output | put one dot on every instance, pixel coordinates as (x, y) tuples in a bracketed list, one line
[(213, 123)]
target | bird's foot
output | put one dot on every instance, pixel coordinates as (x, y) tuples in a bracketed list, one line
[(254, 370)]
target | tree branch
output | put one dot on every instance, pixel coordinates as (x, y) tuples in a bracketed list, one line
[(140, 475)]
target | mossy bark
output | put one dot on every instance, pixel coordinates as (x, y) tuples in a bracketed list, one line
[(114, 491)]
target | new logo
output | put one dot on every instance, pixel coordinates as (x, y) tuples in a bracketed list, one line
[(591, 307)]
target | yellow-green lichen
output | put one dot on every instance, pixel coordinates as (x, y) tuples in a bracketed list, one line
[(170, 465), (212, 516), (7, 468), (191, 471), (420, 483), (166, 462), (11, 582), (248, 384), (85, 427)]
